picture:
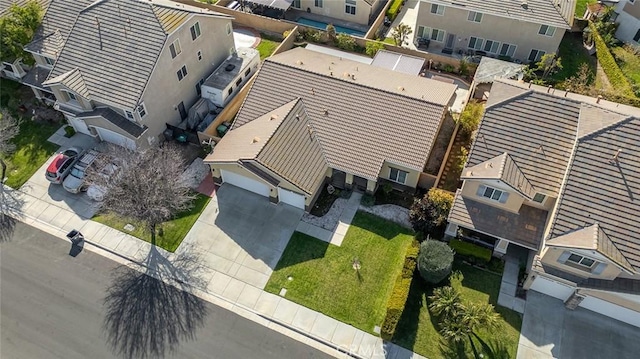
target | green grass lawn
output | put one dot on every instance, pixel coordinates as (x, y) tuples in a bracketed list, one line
[(32, 148), (267, 45), (573, 54), (174, 231), (581, 7), (629, 64), (324, 279), (418, 330)]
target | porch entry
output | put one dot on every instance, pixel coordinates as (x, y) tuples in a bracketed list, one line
[(451, 38), (359, 184), (338, 179)]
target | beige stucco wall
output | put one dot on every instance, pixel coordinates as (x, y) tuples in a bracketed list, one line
[(164, 92), (515, 200), (336, 9), (412, 175), (61, 95), (550, 257), (633, 9), (504, 30)]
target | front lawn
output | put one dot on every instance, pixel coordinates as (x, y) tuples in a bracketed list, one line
[(323, 278), (173, 232), (418, 331)]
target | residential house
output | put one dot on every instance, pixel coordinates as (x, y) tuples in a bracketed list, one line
[(129, 67), (312, 118), (558, 174), (628, 19), (522, 30), (361, 12)]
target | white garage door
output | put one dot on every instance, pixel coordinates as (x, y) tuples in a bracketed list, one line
[(552, 288), (116, 138), (291, 198), (611, 310), (245, 182)]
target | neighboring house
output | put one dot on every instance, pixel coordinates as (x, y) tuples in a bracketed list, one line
[(358, 11), (628, 18), (311, 118), (558, 173), (523, 30), (129, 67)]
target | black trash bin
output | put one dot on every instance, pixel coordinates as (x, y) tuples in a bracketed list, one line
[(75, 236)]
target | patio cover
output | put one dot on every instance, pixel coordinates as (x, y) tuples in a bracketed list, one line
[(274, 4), (489, 69)]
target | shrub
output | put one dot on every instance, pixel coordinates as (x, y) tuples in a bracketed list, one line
[(448, 68), (345, 42), (69, 131), (429, 213), (368, 200), (400, 292), (435, 261), (468, 249), (470, 117), (331, 32), (373, 47), (394, 9), (609, 65), (461, 160)]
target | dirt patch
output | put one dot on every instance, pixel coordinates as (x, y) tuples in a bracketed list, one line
[(391, 212), (29, 107), (440, 146)]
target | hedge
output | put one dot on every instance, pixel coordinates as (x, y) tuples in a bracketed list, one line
[(609, 65), (400, 292), (394, 9), (468, 249)]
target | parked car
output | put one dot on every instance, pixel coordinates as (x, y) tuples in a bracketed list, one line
[(74, 182), (97, 192), (62, 164)]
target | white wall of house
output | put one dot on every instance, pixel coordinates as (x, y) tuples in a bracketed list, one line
[(629, 21)]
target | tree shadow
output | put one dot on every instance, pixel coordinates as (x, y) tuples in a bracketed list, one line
[(373, 224), (407, 329), (302, 248), (149, 312), (11, 204)]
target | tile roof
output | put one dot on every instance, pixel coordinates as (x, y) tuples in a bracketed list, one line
[(503, 168), (6, 4), (72, 80), (547, 12), (110, 115), (525, 228), (380, 116), (116, 44), (36, 76)]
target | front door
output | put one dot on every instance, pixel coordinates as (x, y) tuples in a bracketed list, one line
[(182, 110), (450, 40)]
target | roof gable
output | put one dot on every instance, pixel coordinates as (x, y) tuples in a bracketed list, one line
[(503, 168), (72, 80)]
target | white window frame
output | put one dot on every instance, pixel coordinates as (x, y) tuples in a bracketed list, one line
[(509, 47), (49, 61), (319, 3), (580, 261), (182, 72), (295, 4), (475, 44), (425, 33), (175, 48), (397, 176), (199, 54), (546, 30), (491, 49), (437, 9), (195, 31), (128, 114), (541, 201), (350, 7), (72, 96), (142, 110), (437, 33), (539, 54), (492, 192), (474, 16)]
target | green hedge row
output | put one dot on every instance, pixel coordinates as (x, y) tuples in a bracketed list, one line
[(400, 292), (468, 249), (609, 65), (394, 9)]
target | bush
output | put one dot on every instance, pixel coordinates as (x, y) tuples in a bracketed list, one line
[(331, 32), (394, 9), (470, 117), (435, 261), (69, 131), (373, 47), (609, 65), (468, 249), (400, 292), (368, 200), (345, 42), (429, 213)]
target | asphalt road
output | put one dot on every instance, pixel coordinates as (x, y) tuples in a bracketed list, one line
[(53, 306)]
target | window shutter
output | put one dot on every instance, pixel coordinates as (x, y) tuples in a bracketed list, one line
[(503, 197), (564, 256), (481, 190), (599, 268)]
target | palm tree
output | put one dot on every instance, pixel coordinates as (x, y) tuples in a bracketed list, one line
[(445, 302), (401, 33)]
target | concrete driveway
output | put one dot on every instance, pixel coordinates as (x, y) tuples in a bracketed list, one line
[(241, 236), (549, 330)]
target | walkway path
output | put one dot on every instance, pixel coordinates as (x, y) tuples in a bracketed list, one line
[(507, 297), (336, 236)]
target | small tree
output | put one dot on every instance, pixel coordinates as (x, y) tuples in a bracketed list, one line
[(435, 261), (429, 213), (549, 64), (345, 42), (331, 32), (470, 117), (581, 81), (373, 47), (17, 27), (401, 33), (148, 188)]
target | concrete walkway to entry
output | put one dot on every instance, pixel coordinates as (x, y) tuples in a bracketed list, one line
[(336, 236)]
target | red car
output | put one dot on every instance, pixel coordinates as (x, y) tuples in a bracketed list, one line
[(62, 164)]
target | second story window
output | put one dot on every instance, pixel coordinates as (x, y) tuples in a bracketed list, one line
[(318, 3), (229, 29), (182, 73), (72, 96), (175, 49), (128, 114), (474, 16), (547, 30), (492, 193), (49, 61), (350, 7), (142, 111), (199, 55), (195, 31), (437, 9), (539, 197)]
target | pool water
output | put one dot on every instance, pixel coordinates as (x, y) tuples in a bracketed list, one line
[(323, 26)]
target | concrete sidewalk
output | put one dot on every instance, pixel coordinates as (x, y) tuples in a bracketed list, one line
[(243, 297)]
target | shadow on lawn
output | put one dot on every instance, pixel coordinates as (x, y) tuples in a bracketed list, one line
[(373, 224), (407, 331), (148, 313), (302, 248)]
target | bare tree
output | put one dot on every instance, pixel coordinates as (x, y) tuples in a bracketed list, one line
[(148, 186), (9, 202)]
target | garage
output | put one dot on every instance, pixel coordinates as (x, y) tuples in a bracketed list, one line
[(552, 288), (116, 138), (611, 310), (245, 183), (291, 198)]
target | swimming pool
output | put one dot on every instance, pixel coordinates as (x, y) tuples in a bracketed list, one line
[(323, 26)]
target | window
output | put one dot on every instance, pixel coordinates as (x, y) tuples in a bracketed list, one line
[(350, 7), (195, 31), (142, 111), (49, 61), (199, 55), (424, 31), (128, 114), (175, 49), (580, 260), (491, 46), (437, 9), (507, 50), (547, 30), (432, 34), (535, 55), (318, 3), (239, 82), (492, 193), (72, 96), (539, 197), (230, 91), (296, 4), (199, 87), (397, 175), (474, 16), (246, 73), (182, 73), (229, 29), (437, 35), (475, 43), (637, 37)]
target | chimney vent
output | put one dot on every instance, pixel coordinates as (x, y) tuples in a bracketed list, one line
[(566, 93), (529, 84), (400, 88), (273, 117), (616, 158), (549, 88), (326, 112), (255, 139), (525, 4), (599, 98)]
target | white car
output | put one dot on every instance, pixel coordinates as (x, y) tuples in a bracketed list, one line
[(97, 192), (74, 182)]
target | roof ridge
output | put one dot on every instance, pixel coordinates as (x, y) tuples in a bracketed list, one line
[(559, 13), (296, 101), (605, 128), (510, 98), (518, 167)]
